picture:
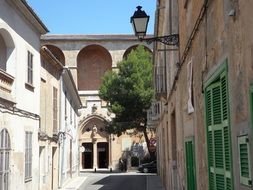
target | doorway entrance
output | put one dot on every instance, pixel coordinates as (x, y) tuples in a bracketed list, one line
[(103, 156), (87, 156)]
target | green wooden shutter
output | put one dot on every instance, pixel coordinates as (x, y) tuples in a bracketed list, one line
[(190, 165), (218, 134), (244, 159)]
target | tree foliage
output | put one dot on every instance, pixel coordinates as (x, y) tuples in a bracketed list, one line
[(129, 91)]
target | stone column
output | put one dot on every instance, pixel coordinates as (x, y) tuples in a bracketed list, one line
[(80, 157), (95, 154), (110, 152)]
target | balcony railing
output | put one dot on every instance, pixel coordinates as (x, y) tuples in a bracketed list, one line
[(160, 81), (6, 81), (153, 114)]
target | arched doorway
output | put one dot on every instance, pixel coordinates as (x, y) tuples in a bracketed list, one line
[(87, 156), (5, 148), (95, 143), (103, 154)]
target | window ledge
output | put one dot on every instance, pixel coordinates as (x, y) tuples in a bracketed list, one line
[(29, 86)]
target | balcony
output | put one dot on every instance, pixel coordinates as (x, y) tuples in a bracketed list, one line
[(160, 82), (6, 82), (153, 115)]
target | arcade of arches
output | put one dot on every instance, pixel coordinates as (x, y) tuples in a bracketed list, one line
[(92, 63), (89, 62)]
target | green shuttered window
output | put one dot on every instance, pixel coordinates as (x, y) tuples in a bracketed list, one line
[(190, 165), (244, 159), (218, 134)]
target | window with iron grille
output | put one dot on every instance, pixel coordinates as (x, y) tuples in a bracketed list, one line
[(28, 155), (5, 148), (55, 110), (29, 68)]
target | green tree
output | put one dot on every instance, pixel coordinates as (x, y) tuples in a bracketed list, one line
[(129, 93)]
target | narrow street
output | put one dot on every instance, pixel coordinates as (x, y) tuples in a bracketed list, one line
[(116, 181)]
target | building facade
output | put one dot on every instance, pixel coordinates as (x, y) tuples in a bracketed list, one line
[(88, 57), (20, 31), (58, 137), (50, 83), (205, 124)]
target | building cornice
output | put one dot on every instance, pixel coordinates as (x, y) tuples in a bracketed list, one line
[(83, 37)]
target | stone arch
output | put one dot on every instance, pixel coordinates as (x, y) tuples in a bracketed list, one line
[(128, 50), (95, 141), (92, 63), (88, 124), (57, 52), (6, 48)]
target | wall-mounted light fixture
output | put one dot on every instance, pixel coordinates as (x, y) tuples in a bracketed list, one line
[(140, 20)]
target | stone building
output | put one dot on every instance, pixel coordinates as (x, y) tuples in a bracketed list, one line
[(205, 121), (88, 57), (58, 134), (20, 31)]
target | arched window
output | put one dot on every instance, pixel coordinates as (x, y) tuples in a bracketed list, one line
[(5, 148)]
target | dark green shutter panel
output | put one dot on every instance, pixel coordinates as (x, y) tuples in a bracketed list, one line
[(218, 135), (190, 165), (245, 166)]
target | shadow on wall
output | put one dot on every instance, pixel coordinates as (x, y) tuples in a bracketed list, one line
[(133, 157)]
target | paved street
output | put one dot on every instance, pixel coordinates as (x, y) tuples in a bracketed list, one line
[(115, 181)]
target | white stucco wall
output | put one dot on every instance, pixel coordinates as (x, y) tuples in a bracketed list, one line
[(25, 38)]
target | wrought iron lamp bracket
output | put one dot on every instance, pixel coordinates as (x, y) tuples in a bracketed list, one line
[(172, 39)]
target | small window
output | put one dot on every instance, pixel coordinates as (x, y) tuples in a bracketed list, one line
[(29, 68), (28, 155), (244, 160)]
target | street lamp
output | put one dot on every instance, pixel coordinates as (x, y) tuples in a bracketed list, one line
[(140, 20)]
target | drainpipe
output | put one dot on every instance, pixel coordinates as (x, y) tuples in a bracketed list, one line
[(60, 139)]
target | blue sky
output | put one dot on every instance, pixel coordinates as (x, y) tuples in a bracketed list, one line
[(91, 16)]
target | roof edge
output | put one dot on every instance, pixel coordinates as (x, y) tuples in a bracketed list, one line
[(30, 15), (91, 37)]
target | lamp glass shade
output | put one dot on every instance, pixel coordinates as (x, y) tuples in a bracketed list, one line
[(140, 26), (140, 22)]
